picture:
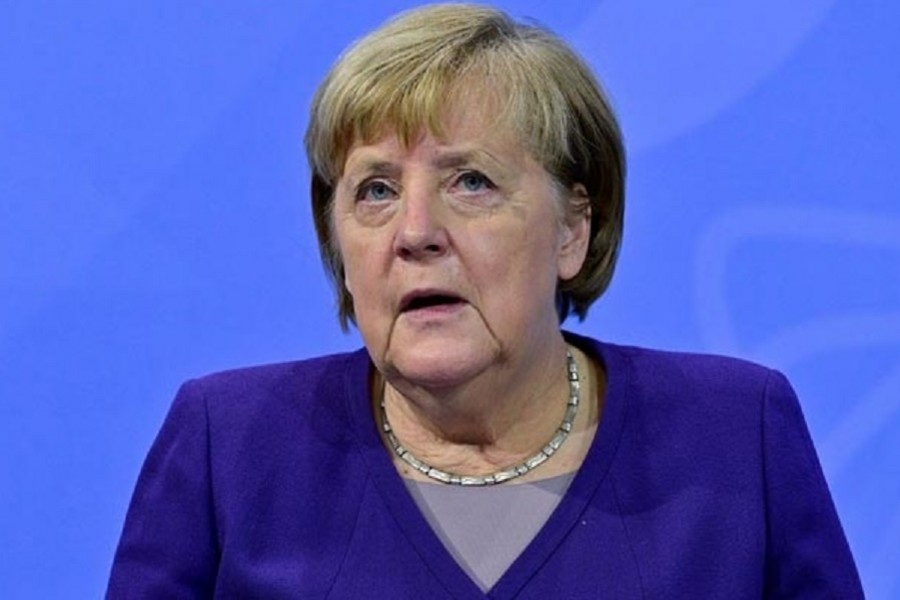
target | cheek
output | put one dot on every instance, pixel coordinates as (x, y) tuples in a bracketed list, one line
[(521, 265), (351, 251), (355, 269), (364, 276)]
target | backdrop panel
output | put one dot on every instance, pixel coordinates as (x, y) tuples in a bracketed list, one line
[(154, 225)]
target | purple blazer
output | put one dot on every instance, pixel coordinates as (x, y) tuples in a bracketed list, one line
[(271, 482)]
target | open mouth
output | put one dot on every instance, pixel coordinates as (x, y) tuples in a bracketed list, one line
[(428, 300)]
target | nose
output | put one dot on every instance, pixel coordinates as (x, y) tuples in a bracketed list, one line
[(421, 230)]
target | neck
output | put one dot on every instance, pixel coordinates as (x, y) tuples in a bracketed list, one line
[(487, 423)]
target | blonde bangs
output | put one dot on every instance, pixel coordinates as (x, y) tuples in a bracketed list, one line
[(399, 80), (407, 97), (394, 102)]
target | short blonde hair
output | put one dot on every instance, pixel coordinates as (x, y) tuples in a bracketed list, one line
[(399, 78)]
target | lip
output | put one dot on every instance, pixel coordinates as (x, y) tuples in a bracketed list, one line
[(411, 303)]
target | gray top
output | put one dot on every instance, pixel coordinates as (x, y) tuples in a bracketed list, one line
[(486, 528)]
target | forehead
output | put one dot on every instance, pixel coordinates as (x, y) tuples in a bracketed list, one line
[(469, 125)]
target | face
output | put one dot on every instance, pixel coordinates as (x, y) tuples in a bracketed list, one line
[(452, 250)]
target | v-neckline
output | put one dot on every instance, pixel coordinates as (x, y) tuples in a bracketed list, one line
[(413, 524)]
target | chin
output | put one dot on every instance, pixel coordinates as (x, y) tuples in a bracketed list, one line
[(439, 362)]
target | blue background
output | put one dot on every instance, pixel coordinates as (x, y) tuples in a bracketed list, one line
[(154, 225)]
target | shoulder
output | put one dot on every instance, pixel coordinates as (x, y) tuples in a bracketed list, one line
[(265, 399), (665, 373), (681, 399), (696, 373), (277, 375), (294, 380), (249, 424), (723, 441)]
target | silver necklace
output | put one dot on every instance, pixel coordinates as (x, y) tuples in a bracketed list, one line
[(562, 432)]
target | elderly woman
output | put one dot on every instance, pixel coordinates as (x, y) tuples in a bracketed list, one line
[(467, 187)]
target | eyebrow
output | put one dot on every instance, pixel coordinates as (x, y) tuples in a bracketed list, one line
[(379, 167), (452, 160), (446, 160)]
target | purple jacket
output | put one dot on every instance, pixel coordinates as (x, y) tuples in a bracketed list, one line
[(271, 482)]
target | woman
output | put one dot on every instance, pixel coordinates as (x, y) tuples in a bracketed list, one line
[(468, 191)]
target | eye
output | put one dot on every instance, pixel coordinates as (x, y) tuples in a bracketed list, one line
[(375, 190), (473, 181)]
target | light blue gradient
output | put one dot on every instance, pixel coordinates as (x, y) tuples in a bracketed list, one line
[(154, 225)]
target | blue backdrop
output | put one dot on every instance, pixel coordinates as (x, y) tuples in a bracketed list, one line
[(154, 225)]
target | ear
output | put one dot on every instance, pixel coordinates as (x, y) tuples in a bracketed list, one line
[(575, 233)]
